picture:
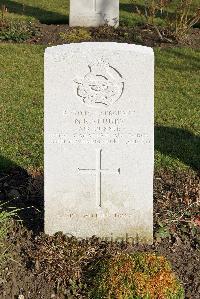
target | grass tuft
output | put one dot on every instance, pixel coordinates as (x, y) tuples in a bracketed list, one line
[(6, 216)]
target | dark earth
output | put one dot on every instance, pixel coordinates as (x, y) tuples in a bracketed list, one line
[(144, 35), (39, 266)]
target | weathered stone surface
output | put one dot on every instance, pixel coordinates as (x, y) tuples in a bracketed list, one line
[(99, 140), (94, 13)]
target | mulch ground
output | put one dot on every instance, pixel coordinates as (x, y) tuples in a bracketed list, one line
[(146, 35), (41, 266)]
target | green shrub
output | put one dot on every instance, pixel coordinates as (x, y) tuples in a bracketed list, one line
[(176, 16), (16, 30), (185, 18), (137, 276), (76, 35)]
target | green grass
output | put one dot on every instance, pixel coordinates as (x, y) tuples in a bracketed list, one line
[(57, 11), (46, 11), (177, 131), (177, 107), (21, 105), (132, 12)]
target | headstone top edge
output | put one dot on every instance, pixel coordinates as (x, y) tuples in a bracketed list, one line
[(101, 45)]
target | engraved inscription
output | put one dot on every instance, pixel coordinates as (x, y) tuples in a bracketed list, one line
[(100, 127), (96, 215), (98, 170), (102, 86)]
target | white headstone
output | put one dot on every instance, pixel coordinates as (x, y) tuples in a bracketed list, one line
[(99, 147), (94, 13)]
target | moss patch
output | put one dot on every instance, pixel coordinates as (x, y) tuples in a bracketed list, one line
[(137, 276)]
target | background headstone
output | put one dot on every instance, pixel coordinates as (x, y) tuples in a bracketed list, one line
[(94, 13), (99, 147)]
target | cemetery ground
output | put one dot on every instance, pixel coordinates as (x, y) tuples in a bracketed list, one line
[(38, 266), (46, 22)]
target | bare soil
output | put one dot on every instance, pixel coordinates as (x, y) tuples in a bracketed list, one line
[(144, 35), (41, 266)]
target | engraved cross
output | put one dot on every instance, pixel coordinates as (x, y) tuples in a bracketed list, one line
[(99, 171)]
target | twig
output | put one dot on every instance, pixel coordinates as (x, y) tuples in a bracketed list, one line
[(158, 32)]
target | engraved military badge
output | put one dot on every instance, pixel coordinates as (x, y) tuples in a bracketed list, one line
[(102, 86)]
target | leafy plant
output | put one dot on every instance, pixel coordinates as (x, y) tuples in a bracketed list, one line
[(17, 30), (162, 232), (136, 276), (76, 35)]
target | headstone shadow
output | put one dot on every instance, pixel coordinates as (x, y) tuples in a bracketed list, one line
[(189, 63), (22, 191), (44, 16), (178, 143)]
